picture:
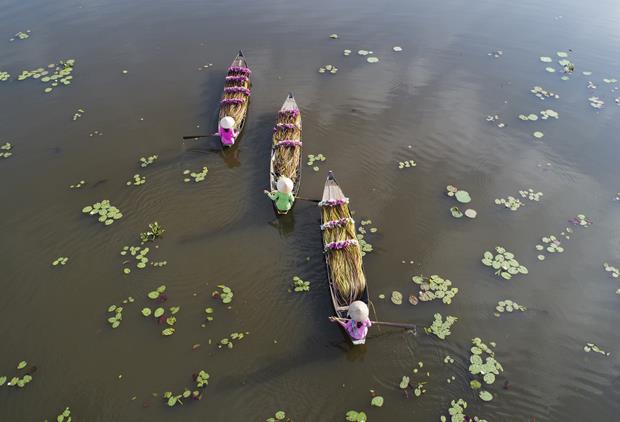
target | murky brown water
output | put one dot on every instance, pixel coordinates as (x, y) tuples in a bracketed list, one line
[(433, 96)]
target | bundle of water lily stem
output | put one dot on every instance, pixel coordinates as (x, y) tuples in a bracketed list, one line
[(287, 141), (345, 261), (236, 94)]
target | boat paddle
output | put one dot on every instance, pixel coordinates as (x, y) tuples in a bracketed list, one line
[(308, 199), (391, 324), (198, 136)]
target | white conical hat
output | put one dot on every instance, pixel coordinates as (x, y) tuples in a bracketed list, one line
[(285, 184), (358, 311), (227, 122)]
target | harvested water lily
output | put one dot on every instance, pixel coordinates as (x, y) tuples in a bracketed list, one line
[(328, 68), (4, 76), (5, 150), (510, 202), (504, 263), (313, 158), (456, 413), (614, 271), (196, 176), (441, 328), (406, 164), (106, 212), (435, 287), (591, 347), (508, 306)]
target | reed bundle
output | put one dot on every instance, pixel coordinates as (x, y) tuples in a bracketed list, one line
[(235, 102), (286, 158)]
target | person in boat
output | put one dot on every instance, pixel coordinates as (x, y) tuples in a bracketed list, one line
[(283, 197), (226, 131), (357, 326)]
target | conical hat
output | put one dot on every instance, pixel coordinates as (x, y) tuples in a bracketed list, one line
[(285, 185), (358, 311), (227, 122)]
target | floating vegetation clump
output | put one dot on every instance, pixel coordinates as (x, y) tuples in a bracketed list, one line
[(580, 220), (21, 35), (209, 311), (550, 244), (280, 415), (137, 180), (201, 380), (372, 59), (117, 315), (591, 347), (78, 114), (435, 287), (4, 76), (147, 161), (78, 185), (334, 36), (5, 150), (312, 158), (538, 134), (397, 298), (448, 360), (460, 195), (397, 48), (531, 117), (363, 52), (57, 74), (441, 328), (138, 253), (197, 176), (106, 212), (484, 366), (328, 68), (504, 263), (614, 272), (355, 416), (365, 246), (376, 400), (542, 93), (531, 195), (19, 381), (225, 294), (507, 305), (406, 164), (228, 341), (509, 202), (545, 114), (596, 102), (154, 232), (65, 416), (457, 413), (61, 260), (300, 285), (158, 297), (346, 52), (496, 54), (610, 81), (494, 118)]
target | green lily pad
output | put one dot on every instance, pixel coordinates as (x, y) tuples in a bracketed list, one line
[(462, 196), (485, 395), (377, 401)]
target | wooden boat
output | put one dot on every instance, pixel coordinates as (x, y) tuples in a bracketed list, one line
[(286, 147), (236, 96), (343, 256)]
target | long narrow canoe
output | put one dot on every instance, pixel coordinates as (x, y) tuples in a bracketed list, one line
[(286, 147), (343, 256), (236, 97)]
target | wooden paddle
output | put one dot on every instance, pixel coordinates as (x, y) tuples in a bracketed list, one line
[(308, 199), (391, 324), (198, 136)]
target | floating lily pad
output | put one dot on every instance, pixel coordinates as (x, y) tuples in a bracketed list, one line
[(462, 196), (397, 48), (397, 298), (456, 212), (485, 395), (377, 401), (471, 213), (372, 59), (538, 134), (441, 328)]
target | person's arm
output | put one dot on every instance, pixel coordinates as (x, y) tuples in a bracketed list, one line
[(291, 198), (272, 195), (334, 319)]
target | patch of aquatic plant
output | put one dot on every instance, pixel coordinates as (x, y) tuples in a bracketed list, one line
[(376, 400), (209, 311), (106, 212), (496, 54), (61, 260), (57, 74), (65, 416), (355, 416), (483, 367), (225, 294), (545, 114), (448, 359), (201, 380), (136, 180), (591, 347), (596, 102), (457, 413), (510, 202), (408, 385), (5, 150), (95, 133), (154, 232), (19, 381), (334, 36), (538, 134), (460, 195), (531, 195), (580, 220), (4, 76), (21, 35), (280, 415), (441, 328), (197, 176), (300, 285), (117, 315), (228, 341), (550, 244), (328, 68), (435, 287), (372, 59), (78, 185), (610, 81), (494, 118), (158, 297), (346, 52), (397, 298), (397, 48), (504, 263), (406, 164), (139, 253), (147, 161), (508, 305), (78, 114), (542, 94), (313, 158), (614, 272), (365, 246)]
